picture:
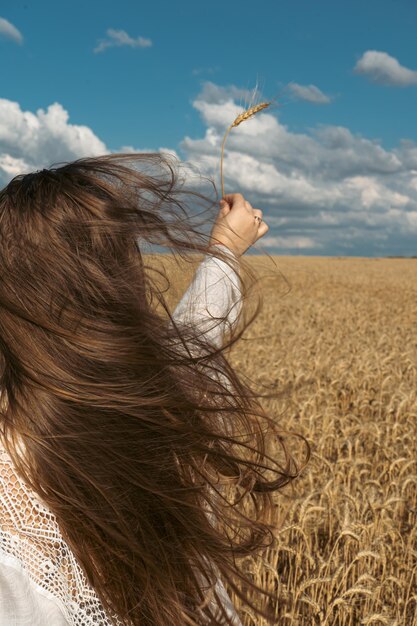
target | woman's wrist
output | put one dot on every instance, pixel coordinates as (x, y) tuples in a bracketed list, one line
[(227, 248)]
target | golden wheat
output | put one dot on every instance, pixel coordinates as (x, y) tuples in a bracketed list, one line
[(250, 113), (343, 342), (242, 117)]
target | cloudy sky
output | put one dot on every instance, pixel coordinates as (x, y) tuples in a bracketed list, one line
[(332, 164)]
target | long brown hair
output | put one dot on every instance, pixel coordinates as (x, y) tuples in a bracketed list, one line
[(118, 413)]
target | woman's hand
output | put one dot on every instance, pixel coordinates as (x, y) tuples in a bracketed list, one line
[(236, 226)]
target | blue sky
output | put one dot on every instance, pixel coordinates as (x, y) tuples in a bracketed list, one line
[(333, 165)]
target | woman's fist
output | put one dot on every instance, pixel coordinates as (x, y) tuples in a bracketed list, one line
[(236, 225)]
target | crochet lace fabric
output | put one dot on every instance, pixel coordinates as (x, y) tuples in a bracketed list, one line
[(30, 533)]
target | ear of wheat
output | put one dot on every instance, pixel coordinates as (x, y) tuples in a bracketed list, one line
[(242, 117)]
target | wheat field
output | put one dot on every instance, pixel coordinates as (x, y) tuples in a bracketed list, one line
[(340, 335)]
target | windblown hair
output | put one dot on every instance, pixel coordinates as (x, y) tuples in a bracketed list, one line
[(120, 417)]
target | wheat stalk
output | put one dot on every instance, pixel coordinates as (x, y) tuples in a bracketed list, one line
[(367, 569), (242, 117)]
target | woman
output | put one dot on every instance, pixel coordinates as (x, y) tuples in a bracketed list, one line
[(121, 427)]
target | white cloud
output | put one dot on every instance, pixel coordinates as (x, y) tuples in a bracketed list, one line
[(30, 141), (289, 243), (337, 190), (219, 95), (121, 38), (311, 93), (133, 150), (385, 69), (9, 31), (11, 166)]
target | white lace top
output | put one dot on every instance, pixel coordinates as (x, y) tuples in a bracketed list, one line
[(41, 583)]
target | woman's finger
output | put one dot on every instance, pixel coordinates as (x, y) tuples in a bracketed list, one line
[(224, 207), (234, 199)]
